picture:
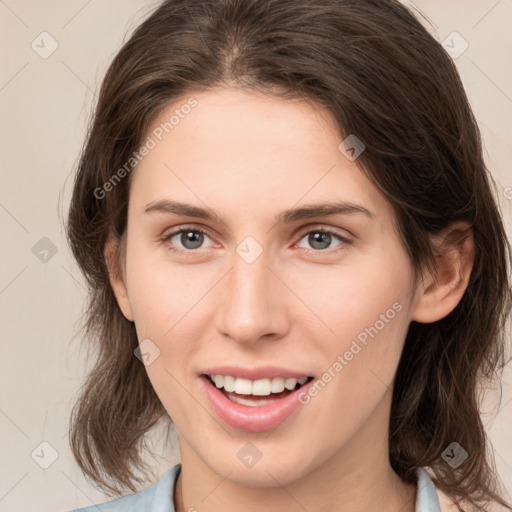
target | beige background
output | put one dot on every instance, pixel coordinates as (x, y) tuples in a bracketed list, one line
[(45, 106)]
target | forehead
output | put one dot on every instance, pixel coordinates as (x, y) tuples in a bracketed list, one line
[(242, 120), (249, 149)]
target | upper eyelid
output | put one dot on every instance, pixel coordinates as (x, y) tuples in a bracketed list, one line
[(305, 229), (171, 232), (319, 227)]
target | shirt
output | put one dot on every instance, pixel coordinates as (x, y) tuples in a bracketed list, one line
[(159, 497)]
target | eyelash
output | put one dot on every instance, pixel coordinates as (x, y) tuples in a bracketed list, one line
[(184, 229)]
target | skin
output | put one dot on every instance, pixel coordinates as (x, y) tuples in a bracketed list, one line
[(248, 157)]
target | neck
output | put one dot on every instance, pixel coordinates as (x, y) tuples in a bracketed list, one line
[(390, 492)]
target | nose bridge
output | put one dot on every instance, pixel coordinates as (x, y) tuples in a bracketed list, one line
[(247, 309)]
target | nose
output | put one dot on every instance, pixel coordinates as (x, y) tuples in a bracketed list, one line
[(252, 301)]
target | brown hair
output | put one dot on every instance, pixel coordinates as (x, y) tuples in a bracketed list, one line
[(385, 79)]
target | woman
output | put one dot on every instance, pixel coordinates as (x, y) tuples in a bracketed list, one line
[(294, 255)]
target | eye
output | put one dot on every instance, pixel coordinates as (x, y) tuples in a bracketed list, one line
[(321, 239), (190, 238)]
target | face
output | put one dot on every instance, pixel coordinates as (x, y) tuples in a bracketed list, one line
[(255, 290)]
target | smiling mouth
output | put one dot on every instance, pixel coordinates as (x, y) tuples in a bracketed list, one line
[(255, 393)]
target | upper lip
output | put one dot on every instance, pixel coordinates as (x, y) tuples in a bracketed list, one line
[(260, 372)]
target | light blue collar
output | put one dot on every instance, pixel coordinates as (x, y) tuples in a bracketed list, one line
[(426, 496)]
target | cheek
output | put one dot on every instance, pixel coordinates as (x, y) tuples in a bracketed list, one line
[(161, 293), (168, 310), (347, 299), (360, 322), (369, 319)]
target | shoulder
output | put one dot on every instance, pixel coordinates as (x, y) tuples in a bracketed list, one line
[(156, 497), (448, 505), (445, 502)]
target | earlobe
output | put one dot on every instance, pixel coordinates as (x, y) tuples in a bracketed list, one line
[(117, 280), (439, 296)]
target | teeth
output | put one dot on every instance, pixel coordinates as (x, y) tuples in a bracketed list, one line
[(251, 402), (262, 387)]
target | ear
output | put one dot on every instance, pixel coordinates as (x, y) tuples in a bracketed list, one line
[(455, 257), (111, 251)]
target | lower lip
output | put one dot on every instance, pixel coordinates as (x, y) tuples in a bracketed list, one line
[(253, 419)]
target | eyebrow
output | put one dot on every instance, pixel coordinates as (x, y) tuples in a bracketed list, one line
[(288, 216)]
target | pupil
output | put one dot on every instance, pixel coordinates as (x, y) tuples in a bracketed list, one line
[(189, 236), (317, 239)]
